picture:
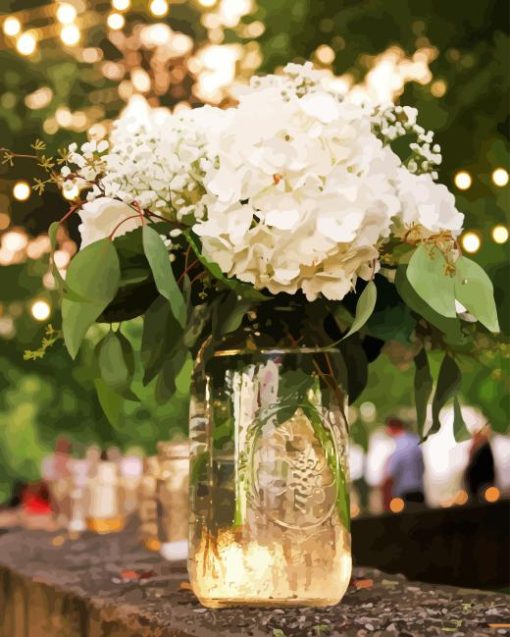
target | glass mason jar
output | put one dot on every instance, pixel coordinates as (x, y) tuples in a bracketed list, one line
[(269, 511)]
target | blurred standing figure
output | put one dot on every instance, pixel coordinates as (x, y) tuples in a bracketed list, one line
[(480, 472), (404, 471)]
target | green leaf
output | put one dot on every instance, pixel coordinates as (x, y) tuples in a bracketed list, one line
[(324, 436), (356, 364), (94, 274), (116, 363), (364, 308), (422, 388), (474, 289), (167, 377), (292, 390), (448, 382), (244, 290), (159, 261), (136, 289), (229, 314), (450, 327), (161, 334), (426, 273), (111, 402), (61, 283), (198, 318), (460, 431)]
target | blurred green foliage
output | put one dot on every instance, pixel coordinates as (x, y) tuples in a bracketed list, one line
[(40, 399)]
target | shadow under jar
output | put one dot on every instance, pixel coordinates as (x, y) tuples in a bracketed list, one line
[(269, 510)]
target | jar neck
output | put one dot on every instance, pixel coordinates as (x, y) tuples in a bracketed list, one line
[(282, 323)]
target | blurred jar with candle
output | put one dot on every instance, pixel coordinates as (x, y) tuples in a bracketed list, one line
[(105, 506), (79, 470), (56, 473), (172, 494), (148, 504), (131, 468)]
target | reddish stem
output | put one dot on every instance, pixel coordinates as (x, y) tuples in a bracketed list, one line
[(112, 233)]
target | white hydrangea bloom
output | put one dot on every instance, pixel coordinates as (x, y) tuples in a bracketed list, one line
[(427, 204), (301, 192), (99, 218)]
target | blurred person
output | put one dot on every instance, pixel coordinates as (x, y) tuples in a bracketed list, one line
[(480, 472), (404, 468)]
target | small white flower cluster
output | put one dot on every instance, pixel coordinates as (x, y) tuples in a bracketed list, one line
[(392, 122), (156, 163), (294, 189)]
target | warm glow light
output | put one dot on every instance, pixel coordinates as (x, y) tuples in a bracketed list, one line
[(500, 234), (158, 7), (11, 26), (207, 3), (26, 43), (438, 88), (500, 177), (471, 242), (463, 180), (121, 5), (492, 494), (325, 54), (66, 13), (21, 191), (115, 21), (40, 310), (14, 241), (71, 193), (461, 498), (397, 505), (355, 510), (70, 35), (141, 80), (61, 258)]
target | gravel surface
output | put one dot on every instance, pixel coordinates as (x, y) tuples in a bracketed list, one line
[(109, 586)]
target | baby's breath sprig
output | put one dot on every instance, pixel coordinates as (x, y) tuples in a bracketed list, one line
[(391, 123), (46, 162), (51, 336)]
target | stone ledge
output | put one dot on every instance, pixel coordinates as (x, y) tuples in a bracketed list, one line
[(54, 586)]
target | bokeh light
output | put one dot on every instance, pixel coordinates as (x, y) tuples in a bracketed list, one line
[(26, 43), (121, 5), (471, 242), (115, 21), (14, 240), (397, 505), (40, 310), (500, 234), (21, 191), (492, 494), (70, 35), (11, 26), (158, 7), (500, 177), (463, 180), (66, 13)]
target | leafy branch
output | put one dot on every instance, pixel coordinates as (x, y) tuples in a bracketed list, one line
[(51, 336)]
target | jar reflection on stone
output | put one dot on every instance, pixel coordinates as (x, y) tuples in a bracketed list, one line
[(173, 499)]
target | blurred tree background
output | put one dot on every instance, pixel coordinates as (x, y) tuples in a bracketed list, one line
[(69, 68)]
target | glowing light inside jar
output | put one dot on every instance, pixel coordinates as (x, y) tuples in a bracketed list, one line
[(250, 572)]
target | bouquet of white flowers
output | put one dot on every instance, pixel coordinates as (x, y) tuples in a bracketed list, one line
[(195, 220)]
